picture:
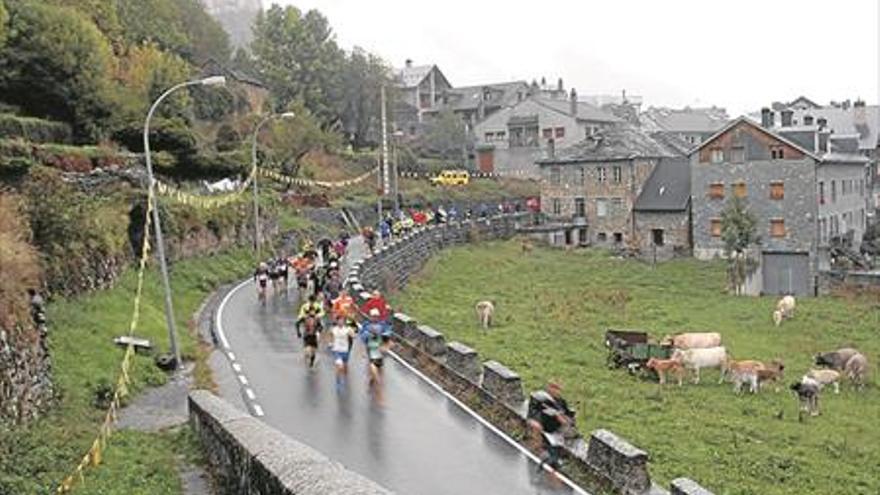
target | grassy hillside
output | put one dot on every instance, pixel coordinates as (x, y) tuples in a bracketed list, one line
[(553, 309)]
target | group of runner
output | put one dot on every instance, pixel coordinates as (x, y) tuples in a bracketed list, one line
[(329, 315)]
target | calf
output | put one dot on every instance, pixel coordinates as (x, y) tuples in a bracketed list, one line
[(485, 311), (697, 359), (662, 366), (825, 377), (694, 340), (772, 372), (807, 391), (786, 306), (836, 359), (856, 369), (742, 372)]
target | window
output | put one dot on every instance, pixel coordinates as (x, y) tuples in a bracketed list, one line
[(716, 155), (776, 153), (602, 176), (579, 207), (715, 227), (616, 206), (833, 191), (547, 133), (560, 132), (489, 136), (861, 187), (822, 231), (716, 190), (523, 136), (617, 175), (777, 190), (582, 236), (618, 237), (601, 237), (555, 176), (738, 154), (657, 236), (739, 190), (862, 218), (821, 192), (557, 206), (777, 227), (582, 176), (601, 207)]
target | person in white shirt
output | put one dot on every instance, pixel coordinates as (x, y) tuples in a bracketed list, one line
[(343, 337)]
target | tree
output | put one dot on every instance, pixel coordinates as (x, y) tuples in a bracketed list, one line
[(145, 72), (738, 232), (4, 19), (363, 76), (57, 64), (297, 57), (291, 139), (446, 136)]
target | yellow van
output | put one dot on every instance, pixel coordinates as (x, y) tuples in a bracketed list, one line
[(451, 178)]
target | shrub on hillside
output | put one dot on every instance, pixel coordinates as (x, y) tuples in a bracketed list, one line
[(19, 262), (33, 129)]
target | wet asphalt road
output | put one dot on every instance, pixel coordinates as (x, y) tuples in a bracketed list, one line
[(416, 442)]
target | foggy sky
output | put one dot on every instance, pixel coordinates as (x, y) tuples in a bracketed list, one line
[(739, 54)]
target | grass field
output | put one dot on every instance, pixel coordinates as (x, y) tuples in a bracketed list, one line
[(553, 307), (33, 460)]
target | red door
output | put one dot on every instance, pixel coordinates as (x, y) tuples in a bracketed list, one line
[(486, 160)]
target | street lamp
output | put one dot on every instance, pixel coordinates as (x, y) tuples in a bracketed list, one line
[(160, 243), (285, 115)]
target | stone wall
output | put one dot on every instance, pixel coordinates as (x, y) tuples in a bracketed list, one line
[(676, 234), (603, 463), (829, 281), (248, 456), (26, 388)]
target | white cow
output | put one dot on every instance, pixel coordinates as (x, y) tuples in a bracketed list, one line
[(697, 359), (485, 311), (784, 309), (693, 340)]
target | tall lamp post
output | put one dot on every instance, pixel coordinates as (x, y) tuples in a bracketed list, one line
[(266, 120), (396, 136), (160, 243)]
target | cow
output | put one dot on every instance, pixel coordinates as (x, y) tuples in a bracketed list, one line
[(662, 366), (697, 359), (786, 305), (694, 340), (825, 377), (807, 391), (772, 372), (856, 369), (836, 360), (485, 311), (744, 372)]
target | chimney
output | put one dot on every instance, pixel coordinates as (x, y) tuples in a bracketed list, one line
[(573, 103), (768, 120), (408, 63), (786, 117)]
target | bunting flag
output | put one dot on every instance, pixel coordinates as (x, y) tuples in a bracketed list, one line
[(296, 181)]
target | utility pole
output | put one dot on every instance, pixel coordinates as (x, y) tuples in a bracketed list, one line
[(386, 183)]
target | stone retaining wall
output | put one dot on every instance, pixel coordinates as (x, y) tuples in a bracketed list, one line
[(837, 279), (248, 456), (604, 462)]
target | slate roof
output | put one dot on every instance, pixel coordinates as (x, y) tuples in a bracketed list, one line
[(706, 120), (469, 97), (668, 188), (672, 142), (585, 111), (845, 121), (770, 132), (619, 142), (411, 76)]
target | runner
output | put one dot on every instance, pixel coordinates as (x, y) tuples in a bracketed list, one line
[(284, 273), (261, 278), (343, 338), (311, 330), (275, 276), (375, 334)]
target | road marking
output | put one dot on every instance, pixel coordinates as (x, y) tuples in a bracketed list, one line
[(258, 411), (236, 367), (488, 425), (243, 379), (219, 323), (231, 356), (250, 394)]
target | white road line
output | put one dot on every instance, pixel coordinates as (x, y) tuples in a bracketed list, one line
[(236, 367), (231, 356), (250, 394), (488, 425), (219, 321), (258, 411), (243, 379)]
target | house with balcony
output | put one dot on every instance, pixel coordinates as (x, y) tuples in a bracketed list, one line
[(418, 91), (793, 182), (592, 192), (514, 138)]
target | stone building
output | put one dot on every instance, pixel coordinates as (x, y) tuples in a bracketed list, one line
[(793, 183), (589, 190), (511, 140), (690, 125), (475, 103), (662, 214), (418, 91)]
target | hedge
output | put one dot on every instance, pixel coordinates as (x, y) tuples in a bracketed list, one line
[(33, 129)]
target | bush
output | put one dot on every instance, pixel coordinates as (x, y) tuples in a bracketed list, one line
[(171, 135), (34, 130)]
